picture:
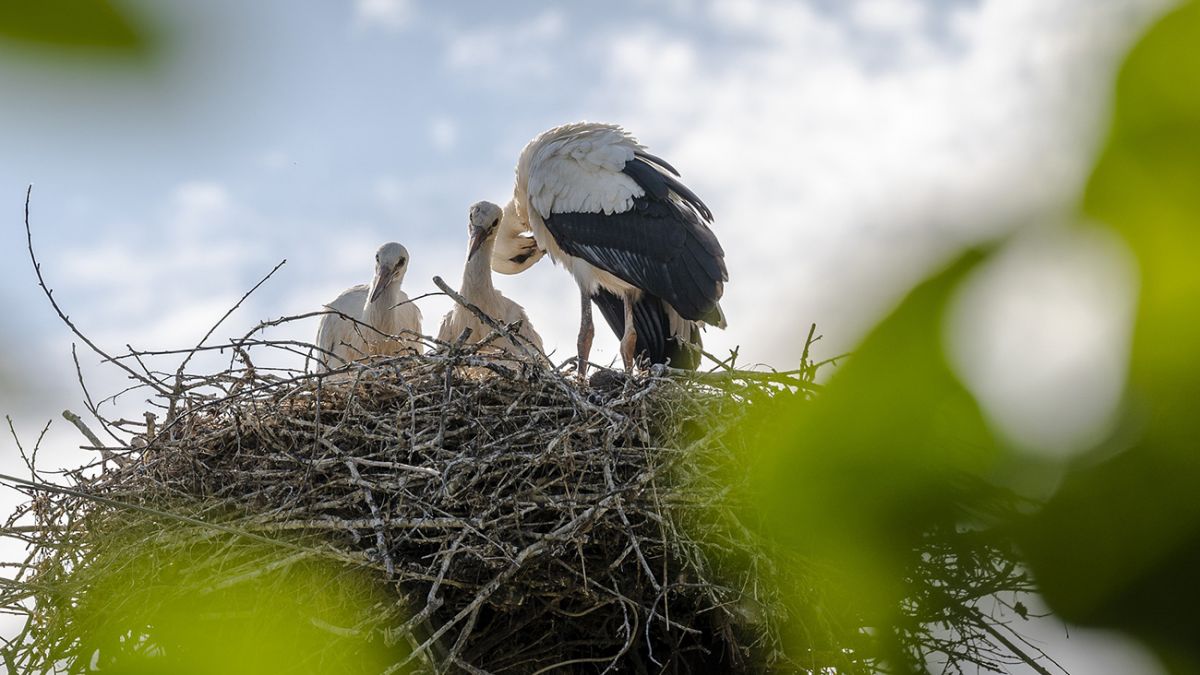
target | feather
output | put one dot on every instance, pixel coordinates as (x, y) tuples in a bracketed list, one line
[(652, 325)]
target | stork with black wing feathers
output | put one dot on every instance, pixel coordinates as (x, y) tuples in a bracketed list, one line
[(636, 239)]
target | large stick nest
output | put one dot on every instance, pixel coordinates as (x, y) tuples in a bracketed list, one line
[(455, 512), (516, 519)]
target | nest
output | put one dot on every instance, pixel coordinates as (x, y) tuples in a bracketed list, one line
[(447, 512), (507, 518)]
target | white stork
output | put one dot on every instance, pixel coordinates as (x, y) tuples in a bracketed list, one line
[(477, 287), (636, 239), (515, 250), (388, 309), (381, 305), (340, 339)]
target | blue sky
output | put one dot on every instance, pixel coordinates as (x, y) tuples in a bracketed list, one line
[(845, 147)]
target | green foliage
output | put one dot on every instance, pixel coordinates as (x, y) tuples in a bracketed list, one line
[(72, 24), (1119, 545), (164, 604), (876, 478), (896, 448)]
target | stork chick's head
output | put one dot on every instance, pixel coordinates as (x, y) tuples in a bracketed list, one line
[(484, 220), (391, 262)]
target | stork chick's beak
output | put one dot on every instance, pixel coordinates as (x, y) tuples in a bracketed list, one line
[(478, 236), (383, 277)]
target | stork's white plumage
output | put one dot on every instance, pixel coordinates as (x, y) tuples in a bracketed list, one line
[(477, 288), (636, 239), (339, 339), (388, 310), (392, 321), (515, 249)]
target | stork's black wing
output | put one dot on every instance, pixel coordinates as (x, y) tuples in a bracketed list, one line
[(662, 244), (653, 329)]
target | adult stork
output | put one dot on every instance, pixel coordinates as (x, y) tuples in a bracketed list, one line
[(636, 239), (394, 321), (477, 288)]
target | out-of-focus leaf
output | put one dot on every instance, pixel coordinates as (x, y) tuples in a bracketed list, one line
[(851, 481), (210, 610), (91, 24), (1119, 545)]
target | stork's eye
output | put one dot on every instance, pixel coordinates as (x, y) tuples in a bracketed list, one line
[(496, 222), (401, 263)]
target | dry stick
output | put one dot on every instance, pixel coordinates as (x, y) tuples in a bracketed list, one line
[(20, 448), (57, 489), (982, 622), (37, 268), (226, 315), (83, 429), (516, 338), (574, 525), (790, 378), (87, 397), (808, 342), (380, 536)]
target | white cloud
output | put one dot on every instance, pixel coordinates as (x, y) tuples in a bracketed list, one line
[(837, 182), (199, 256), (387, 14), (521, 51), (889, 16), (200, 205)]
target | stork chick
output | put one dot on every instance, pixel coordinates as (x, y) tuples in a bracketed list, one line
[(339, 339), (477, 288), (388, 309), (381, 306)]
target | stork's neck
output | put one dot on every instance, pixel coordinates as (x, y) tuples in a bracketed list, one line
[(375, 312), (477, 273)]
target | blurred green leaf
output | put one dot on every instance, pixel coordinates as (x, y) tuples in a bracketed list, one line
[(90, 24), (855, 479), (1119, 545), (171, 606)]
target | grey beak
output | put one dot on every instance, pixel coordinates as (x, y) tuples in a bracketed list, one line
[(478, 236), (381, 281)]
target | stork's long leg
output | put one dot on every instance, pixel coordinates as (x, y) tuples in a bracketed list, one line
[(587, 330), (629, 339)]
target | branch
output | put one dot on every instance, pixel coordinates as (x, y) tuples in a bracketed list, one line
[(37, 268), (231, 311)]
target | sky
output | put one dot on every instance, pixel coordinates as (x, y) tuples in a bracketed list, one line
[(846, 147)]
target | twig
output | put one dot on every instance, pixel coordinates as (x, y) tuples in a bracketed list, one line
[(37, 268), (226, 314)]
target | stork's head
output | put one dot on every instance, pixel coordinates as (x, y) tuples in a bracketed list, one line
[(391, 262), (484, 220)]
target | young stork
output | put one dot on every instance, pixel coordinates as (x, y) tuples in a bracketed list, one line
[(381, 305), (477, 289), (341, 340), (636, 239), (388, 309)]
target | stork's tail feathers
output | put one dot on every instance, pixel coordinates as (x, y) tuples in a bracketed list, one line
[(652, 324), (715, 317)]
